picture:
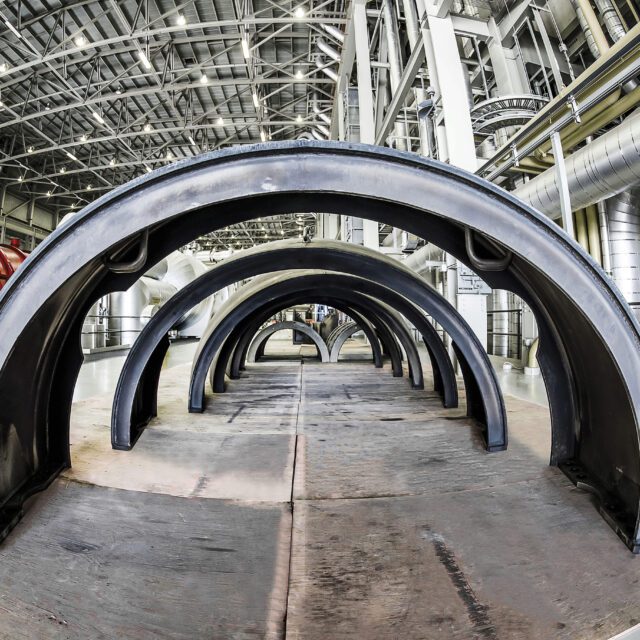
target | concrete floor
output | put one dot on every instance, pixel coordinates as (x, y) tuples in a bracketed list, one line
[(312, 501)]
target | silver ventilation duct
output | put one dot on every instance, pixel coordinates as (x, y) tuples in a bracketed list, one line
[(129, 310), (328, 50), (611, 20), (333, 32), (624, 239), (603, 168)]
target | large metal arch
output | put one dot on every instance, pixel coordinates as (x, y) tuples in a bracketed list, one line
[(213, 358), (444, 377), (240, 342), (594, 393), (261, 351), (133, 400), (347, 290), (231, 358), (262, 337), (342, 333)]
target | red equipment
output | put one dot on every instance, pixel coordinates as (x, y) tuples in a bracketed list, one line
[(11, 257)]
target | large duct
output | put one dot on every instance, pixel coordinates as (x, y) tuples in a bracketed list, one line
[(328, 71), (328, 50), (603, 168), (624, 239), (130, 310)]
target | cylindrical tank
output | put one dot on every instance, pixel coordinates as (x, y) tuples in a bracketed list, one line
[(11, 257)]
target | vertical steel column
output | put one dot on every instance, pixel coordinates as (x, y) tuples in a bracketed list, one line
[(365, 101), (412, 26)]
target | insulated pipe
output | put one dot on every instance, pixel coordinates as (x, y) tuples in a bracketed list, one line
[(593, 233), (333, 32), (581, 229), (603, 168), (611, 19), (603, 223), (624, 238), (328, 71), (395, 65), (328, 50)]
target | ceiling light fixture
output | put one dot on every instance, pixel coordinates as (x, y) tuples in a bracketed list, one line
[(147, 127), (299, 75), (299, 118), (4, 67), (145, 61), (29, 149), (83, 138), (181, 20), (246, 49), (20, 178), (89, 187), (256, 100), (192, 141), (118, 91), (263, 136), (47, 106), (71, 155), (112, 162), (80, 41), (97, 117), (169, 155), (220, 122), (203, 78), (148, 169), (300, 12), (63, 169), (13, 29), (48, 193)]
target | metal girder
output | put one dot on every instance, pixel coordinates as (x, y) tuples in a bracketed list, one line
[(594, 393), (264, 334)]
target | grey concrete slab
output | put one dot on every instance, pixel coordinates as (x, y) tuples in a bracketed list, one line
[(91, 563), (530, 560)]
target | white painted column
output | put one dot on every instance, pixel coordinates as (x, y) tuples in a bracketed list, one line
[(365, 101)]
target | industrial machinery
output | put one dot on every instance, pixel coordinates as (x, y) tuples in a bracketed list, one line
[(11, 257), (594, 394)]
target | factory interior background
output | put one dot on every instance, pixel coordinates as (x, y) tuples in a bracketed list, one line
[(320, 319)]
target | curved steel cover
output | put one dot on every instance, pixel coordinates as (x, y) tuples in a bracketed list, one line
[(589, 340)]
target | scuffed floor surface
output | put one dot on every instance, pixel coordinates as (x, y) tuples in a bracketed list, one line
[(314, 502)]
